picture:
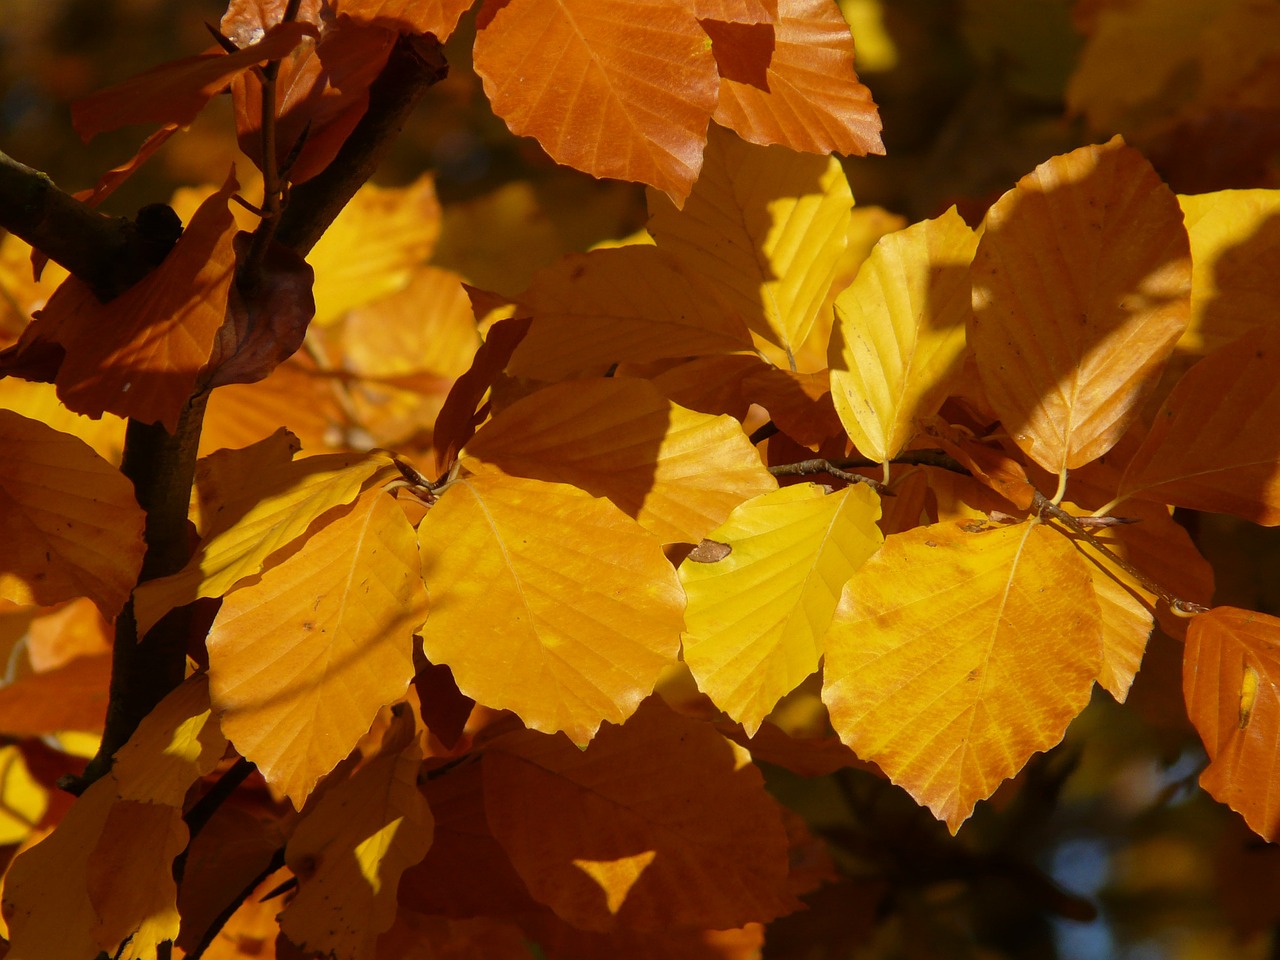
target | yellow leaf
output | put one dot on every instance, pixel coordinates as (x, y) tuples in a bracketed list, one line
[(1235, 239), (175, 745), (756, 618), (679, 473), (568, 611), (373, 246), (39, 401), (301, 660), (633, 303), (768, 226), (900, 333), (956, 655), (1081, 288), (23, 800), (348, 854), (271, 503), (68, 520)]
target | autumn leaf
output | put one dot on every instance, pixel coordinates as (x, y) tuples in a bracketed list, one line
[(68, 518), (756, 617), (653, 826), (679, 473), (176, 92), (621, 90), (72, 696), (1081, 288), (301, 660), (956, 655), (438, 17), (1230, 675), (1212, 446), (569, 611), (900, 333), (809, 97), (767, 226), (349, 852), (799, 404), (633, 303), (139, 355), (250, 521)]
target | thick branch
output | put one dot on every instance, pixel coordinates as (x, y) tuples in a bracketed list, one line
[(415, 64)]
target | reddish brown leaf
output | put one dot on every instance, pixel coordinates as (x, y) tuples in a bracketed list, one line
[(810, 98), (1231, 681), (652, 826), (621, 89), (438, 17), (139, 355), (174, 93)]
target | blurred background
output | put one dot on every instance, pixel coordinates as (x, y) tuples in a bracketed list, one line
[(1105, 847)]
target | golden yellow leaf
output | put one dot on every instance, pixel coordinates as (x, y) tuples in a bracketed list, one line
[(900, 333), (633, 303), (956, 655), (679, 473), (176, 744), (1235, 238), (568, 611), (348, 853), (1212, 444), (756, 617), (23, 800), (68, 520), (767, 226), (1081, 288), (374, 246), (272, 502), (39, 401), (301, 660)]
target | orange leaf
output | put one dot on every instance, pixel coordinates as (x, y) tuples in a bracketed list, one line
[(633, 303), (679, 473), (736, 11), (349, 852), (301, 660), (956, 655), (799, 404), (68, 519), (1082, 285), (1230, 678), (988, 464), (621, 89), (569, 610), (70, 697), (174, 93), (139, 355), (811, 99), (655, 825), (438, 17), (1212, 446)]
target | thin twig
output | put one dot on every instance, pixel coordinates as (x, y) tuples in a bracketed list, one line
[(805, 467)]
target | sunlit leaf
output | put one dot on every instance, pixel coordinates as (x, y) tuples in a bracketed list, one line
[(768, 226), (810, 98), (301, 660), (569, 610), (269, 504), (1230, 678), (438, 17), (679, 473), (756, 618), (900, 333), (654, 825), (1081, 288), (1235, 238), (23, 800), (349, 851), (634, 303), (374, 246), (736, 11), (958, 652), (1214, 445), (623, 89), (68, 519)]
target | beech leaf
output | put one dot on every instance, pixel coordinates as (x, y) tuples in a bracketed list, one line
[(1081, 288), (301, 660), (568, 613), (957, 653), (756, 618)]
